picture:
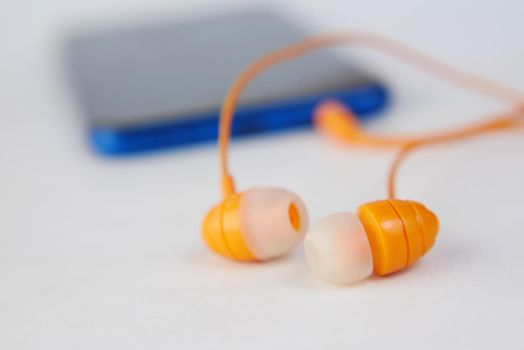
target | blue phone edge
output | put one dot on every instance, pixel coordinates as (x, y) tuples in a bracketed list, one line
[(364, 100)]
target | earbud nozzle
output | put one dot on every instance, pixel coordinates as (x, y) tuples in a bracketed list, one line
[(337, 250), (273, 221)]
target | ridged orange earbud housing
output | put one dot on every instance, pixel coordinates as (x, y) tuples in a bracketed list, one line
[(221, 230), (399, 233), (256, 225)]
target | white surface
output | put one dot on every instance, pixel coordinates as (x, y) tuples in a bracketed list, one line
[(106, 254)]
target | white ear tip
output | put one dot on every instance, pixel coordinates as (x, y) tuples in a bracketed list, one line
[(338, 251), (274, 221)]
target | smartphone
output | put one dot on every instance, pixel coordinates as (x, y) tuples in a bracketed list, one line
[(149, 86)]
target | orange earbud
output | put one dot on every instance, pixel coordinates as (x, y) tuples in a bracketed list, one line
[(387, 236), (258, 224)]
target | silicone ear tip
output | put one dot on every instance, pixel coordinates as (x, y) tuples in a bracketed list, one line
[(273, 220), (337, 250)]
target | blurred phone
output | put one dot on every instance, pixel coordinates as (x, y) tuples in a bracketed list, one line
[(149, 86)]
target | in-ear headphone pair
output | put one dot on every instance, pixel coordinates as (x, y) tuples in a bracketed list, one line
[(384, 236)]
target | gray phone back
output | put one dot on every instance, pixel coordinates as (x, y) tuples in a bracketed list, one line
[(150, 72)]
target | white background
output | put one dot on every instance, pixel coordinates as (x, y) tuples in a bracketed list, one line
[(106, 254)]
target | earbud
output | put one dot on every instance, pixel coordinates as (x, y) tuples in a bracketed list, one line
[(258, 224), (388, 236)]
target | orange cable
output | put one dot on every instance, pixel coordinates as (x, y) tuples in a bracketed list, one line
[(338, 122), (438, 68), (502, 122)]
